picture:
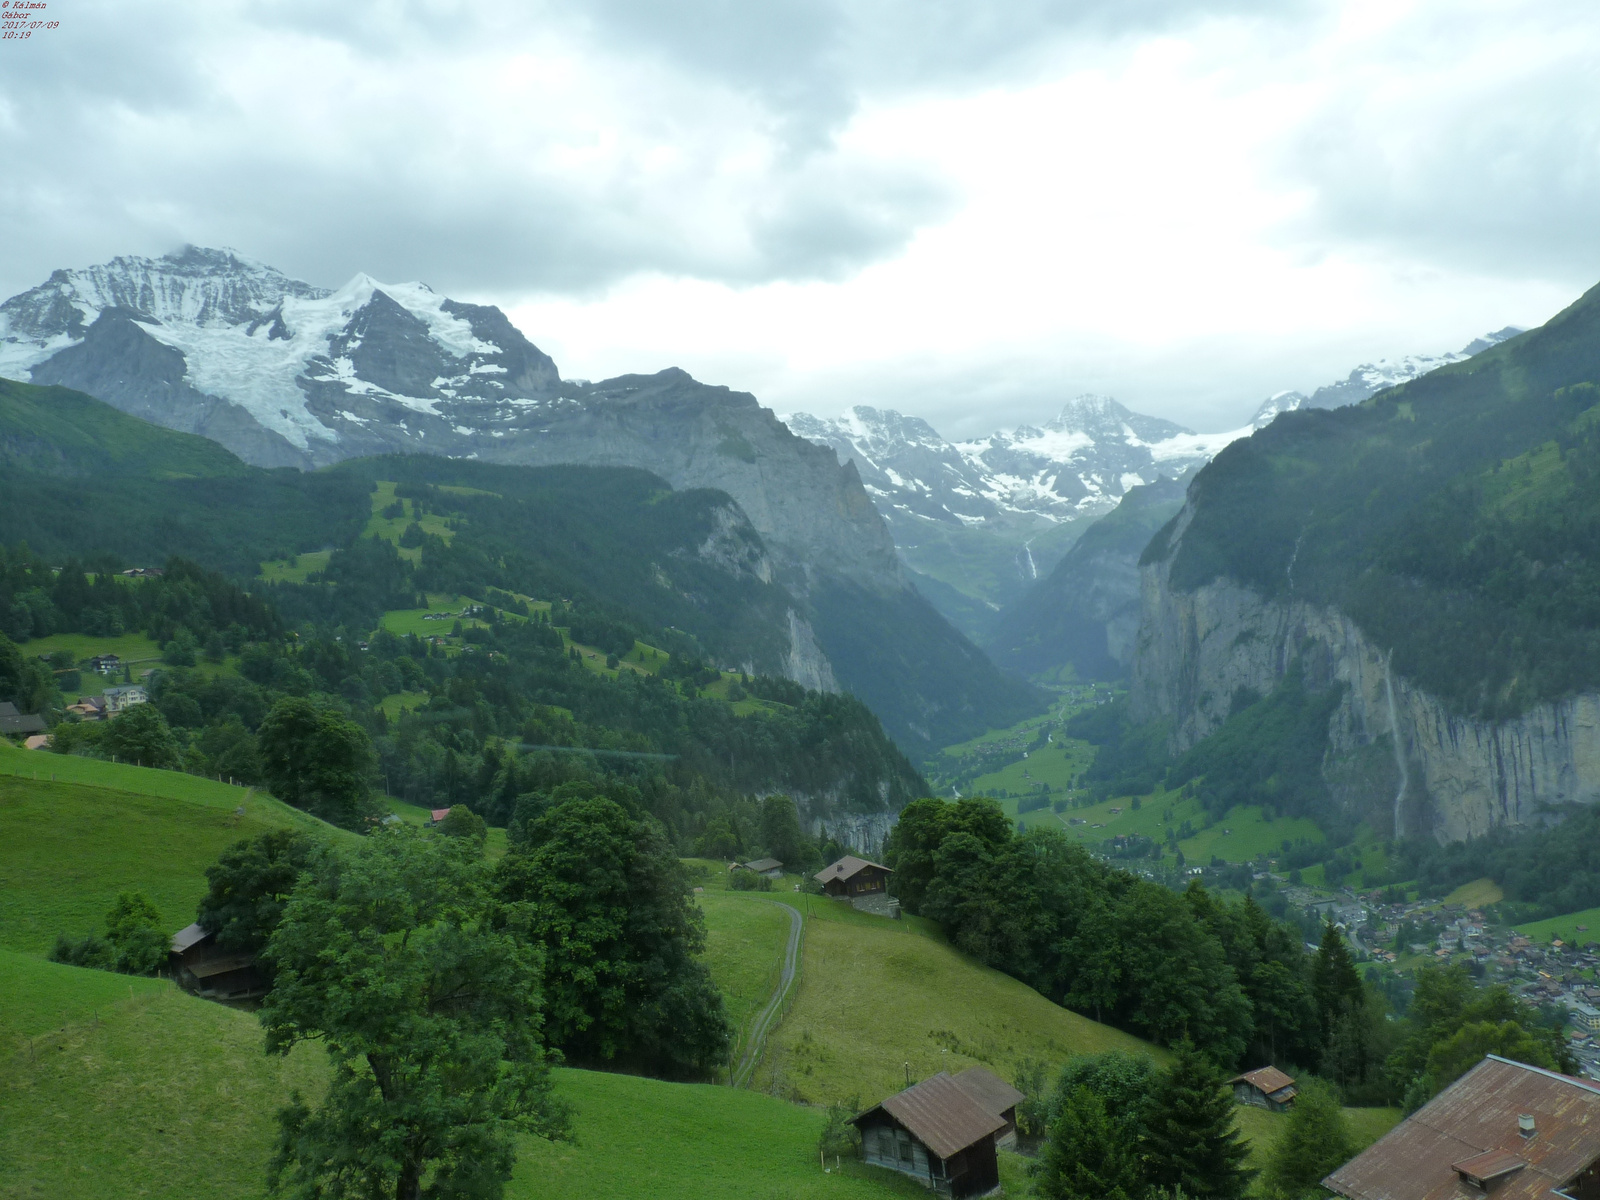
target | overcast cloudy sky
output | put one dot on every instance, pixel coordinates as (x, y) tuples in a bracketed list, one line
[(968, 211)]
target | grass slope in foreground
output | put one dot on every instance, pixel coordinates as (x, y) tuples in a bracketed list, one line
[(877, 994), (158, 1094), (67, 849)]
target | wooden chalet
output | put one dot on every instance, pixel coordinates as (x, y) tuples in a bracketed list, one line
[(770, 867), (1265, 1087), (852, 876), (936, 1133), (200, 966), (1504, 1130)]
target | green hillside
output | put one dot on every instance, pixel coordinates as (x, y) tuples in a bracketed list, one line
[(876, 994), (157, 1094), (57, 431), (1456, 518), (68, 848)]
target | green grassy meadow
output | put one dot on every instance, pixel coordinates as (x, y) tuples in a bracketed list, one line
[(1245, 833), (151, 1095), (876, 994), (130, 647), (67, 849), (1263, 1129), (1057, 764), (158, 1094), (745, 940), (1479, 893), (1577, 928), (296, 569), (637, 1137)]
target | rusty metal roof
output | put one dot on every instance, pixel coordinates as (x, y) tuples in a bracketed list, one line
[(941, 1115), (1420, 1159), (1483, 1168), (1268, 1079), (846, 867), (992, 1093)]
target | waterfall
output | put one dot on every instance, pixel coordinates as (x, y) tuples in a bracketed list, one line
[(1031, 571), (1399, 754)]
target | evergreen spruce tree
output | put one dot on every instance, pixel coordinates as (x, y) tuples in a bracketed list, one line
[(1190, 1141), (1335, 984), (1088, 1156)]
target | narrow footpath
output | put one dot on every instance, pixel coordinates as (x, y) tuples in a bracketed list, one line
[(768, 1016)]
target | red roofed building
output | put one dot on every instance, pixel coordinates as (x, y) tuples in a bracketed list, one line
[(1503, 1130)]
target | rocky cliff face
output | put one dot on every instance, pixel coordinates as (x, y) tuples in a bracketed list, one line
[(1397, 756)]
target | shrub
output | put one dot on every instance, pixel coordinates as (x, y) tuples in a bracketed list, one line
[(749, 881), (839, 1137)]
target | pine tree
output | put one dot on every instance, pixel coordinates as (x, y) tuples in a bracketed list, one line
[(1088, 1156), (1190, 1140), (1315, 1141), (1335, 984)]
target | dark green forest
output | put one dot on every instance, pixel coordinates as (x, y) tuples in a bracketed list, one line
[(85, 481)]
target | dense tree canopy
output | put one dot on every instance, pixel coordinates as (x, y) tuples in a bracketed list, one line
[(610, 904), (425, 991)]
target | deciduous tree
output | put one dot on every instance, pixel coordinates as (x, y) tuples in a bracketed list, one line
[(425, 992)]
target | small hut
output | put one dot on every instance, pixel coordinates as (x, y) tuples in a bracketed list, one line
[(852, 876), (935, 1132), (202, 967), (769, 867), (1265, 1087)]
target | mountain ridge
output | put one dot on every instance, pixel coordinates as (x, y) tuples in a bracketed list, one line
[(290, 375)]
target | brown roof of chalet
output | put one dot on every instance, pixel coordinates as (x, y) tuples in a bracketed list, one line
[(846, 867), (1422, 1158), (1268, 1079), (991, 1092), (941, 1115), (762, 864)]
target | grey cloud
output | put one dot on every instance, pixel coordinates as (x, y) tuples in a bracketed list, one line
[(1497, 171)]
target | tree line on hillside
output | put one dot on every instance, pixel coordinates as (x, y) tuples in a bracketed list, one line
[(508, 713), (1182, 967)]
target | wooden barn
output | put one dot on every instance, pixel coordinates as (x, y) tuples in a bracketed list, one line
[(852, 876), (200, 966), (1265, 1087), (771, 868), (936, 1133)]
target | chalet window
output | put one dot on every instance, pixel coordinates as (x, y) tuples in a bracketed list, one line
[(904, 1139)]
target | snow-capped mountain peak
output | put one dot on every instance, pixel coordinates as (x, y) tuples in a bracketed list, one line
[(302, 374)]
